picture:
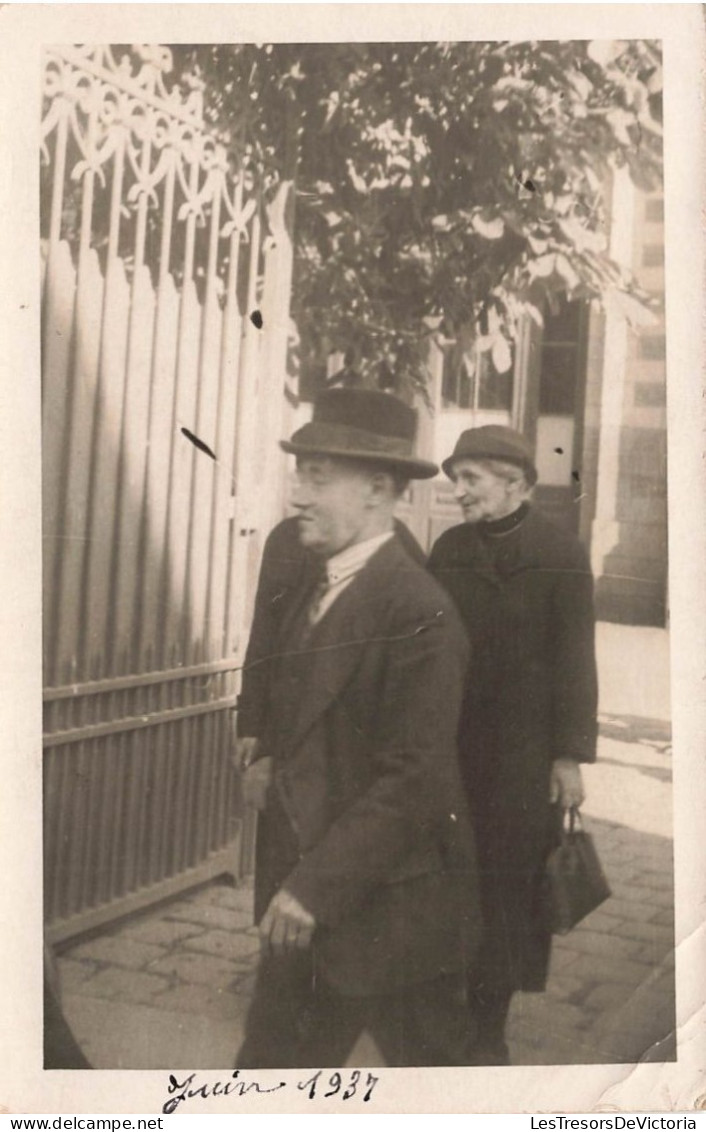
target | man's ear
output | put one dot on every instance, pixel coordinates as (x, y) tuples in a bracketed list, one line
[(380, 488), (517, 485)]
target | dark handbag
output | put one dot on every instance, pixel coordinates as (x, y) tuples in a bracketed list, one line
[(575, 881)]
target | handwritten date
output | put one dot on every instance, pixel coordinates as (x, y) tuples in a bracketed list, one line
[(336, 1083), (344, 1086)]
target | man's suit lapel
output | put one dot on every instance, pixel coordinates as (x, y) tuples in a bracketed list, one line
[(293, 618)]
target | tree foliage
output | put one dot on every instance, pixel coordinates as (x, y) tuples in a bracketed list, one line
[(440, 187)]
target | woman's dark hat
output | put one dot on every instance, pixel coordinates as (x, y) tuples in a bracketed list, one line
[(494, 442), (362, 424)]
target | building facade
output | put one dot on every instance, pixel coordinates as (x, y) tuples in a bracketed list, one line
[(589, 390)]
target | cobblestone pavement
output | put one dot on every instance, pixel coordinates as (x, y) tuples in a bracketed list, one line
[(170, 988), (610, 996)]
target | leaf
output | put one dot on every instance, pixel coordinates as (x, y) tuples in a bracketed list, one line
[(433, 321), (655, 81), (619, 120), (582, 237), (567, 272), (537, 246), (604, 51), (493, 322), (490, 229), (563, 204), (592, 178), (543, 267), (512, 82), (535, 314), (501, 354), (469, 362), (581, 84), (355, 178), (636, 313)]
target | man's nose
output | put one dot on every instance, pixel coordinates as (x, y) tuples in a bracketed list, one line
[(300, 496), (459, 489)]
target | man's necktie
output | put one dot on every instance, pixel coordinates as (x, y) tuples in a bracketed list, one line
[(318, 594)]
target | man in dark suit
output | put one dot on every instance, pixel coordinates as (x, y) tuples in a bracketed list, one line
[(524, 590), (286, 566), (365, 876)]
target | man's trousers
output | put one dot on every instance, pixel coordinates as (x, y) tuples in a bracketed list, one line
[(296, 1021)]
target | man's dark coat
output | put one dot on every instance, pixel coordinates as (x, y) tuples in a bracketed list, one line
[(526, 599), (286, 567), (367, 824)]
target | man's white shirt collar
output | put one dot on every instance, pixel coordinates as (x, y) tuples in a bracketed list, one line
[(342, 568), (350, 561)]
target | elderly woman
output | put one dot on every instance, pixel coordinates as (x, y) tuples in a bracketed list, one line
[(524, 590)]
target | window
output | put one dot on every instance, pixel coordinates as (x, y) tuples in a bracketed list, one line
[(485, 389), (495, 389), (561, 359), (456, 383)]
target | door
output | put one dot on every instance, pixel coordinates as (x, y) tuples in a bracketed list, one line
[(559, 401)]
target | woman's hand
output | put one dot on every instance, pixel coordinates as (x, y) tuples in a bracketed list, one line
[(566, 783)]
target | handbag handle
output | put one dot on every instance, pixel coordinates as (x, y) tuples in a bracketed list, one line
[(573, 814)]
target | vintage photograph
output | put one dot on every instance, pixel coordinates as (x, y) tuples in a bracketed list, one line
[(357, 741)]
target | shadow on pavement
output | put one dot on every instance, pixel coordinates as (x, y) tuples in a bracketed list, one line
[(610, 996)]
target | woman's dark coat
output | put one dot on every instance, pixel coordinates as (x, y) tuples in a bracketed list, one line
[(526, 599)]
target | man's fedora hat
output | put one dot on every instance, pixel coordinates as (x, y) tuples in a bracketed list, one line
[(362, 424), (493, 442)]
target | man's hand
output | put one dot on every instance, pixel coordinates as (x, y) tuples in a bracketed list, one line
[(245, 752), (256, 783), (566, 783), (286, 924)]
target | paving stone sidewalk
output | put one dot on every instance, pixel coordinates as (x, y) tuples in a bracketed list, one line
[(170, 988)]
